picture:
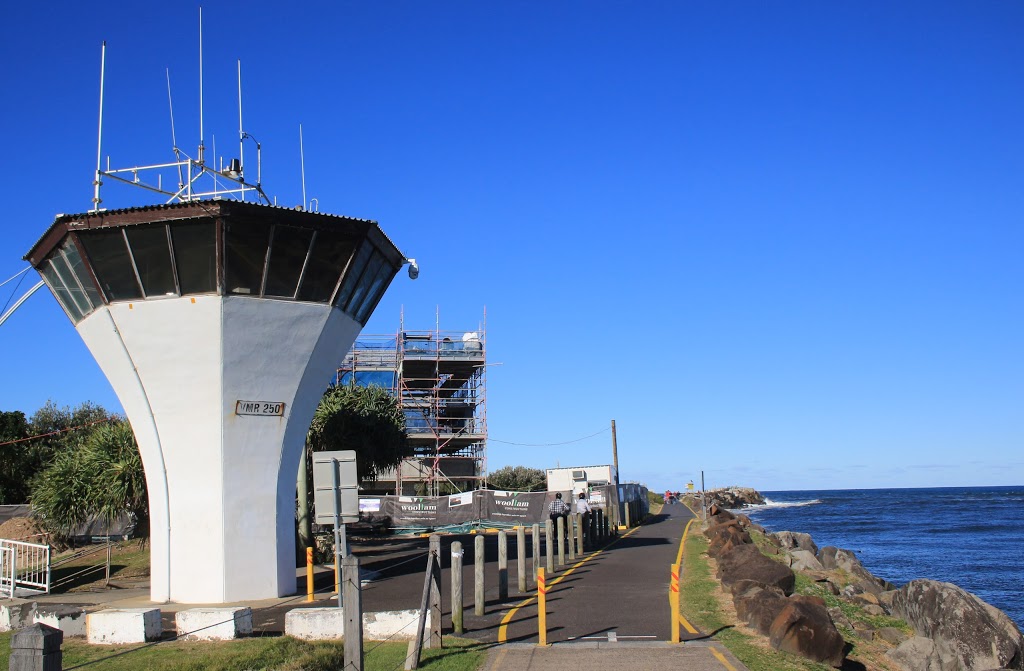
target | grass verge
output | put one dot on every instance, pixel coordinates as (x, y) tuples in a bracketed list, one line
[(280, 653), (699, 598)]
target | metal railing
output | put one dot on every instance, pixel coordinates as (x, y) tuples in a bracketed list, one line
[(24, 566)]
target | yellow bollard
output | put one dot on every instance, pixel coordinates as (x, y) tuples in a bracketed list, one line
[(673, 599), (337, 577), (542, 608), (309, 574)]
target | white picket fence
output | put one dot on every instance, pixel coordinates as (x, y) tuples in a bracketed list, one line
[(24, 566)]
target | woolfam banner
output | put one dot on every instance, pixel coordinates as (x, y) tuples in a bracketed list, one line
[(476, 507), (514, 507)]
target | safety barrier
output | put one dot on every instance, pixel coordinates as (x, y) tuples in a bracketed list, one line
[(24, 566)]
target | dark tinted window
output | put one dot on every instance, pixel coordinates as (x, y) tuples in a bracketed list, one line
[(287, 256), (109, 257), (61, 267), (373, 294), (372, 268), (195, 255), (152, 253), (246, 253), (60, 290), (80, 271), (353, 273), (331, 251)]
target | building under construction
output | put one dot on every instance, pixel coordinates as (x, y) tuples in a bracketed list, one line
[(440, 380)]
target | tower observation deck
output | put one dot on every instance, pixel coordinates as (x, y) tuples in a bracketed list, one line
[(217, 323), (440, 380)]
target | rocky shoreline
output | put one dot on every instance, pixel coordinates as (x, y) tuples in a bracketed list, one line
[(953, 630)]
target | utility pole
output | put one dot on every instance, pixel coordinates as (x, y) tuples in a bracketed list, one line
[(615, 465)]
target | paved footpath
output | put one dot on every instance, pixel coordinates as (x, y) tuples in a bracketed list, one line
[(611, 607)]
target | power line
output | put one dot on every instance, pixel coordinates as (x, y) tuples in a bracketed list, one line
[(54, 433), (565, 442)]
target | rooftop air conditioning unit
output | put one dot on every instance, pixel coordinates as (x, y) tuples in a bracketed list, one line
[(579, 475)]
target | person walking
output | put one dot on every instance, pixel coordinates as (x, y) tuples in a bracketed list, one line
[(557, 508), (583, 509)]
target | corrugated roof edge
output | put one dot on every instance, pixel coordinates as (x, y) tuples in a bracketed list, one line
[(60, 218)]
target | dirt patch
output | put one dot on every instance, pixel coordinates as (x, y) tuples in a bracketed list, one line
[(24, 529)]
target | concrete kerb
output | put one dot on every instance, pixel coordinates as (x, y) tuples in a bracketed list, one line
[(213, 624), (322, 624), (124, 625)]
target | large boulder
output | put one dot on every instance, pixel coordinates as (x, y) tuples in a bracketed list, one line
[(863, 580), (803, 627), (804, 560), (916, 654), (736, 497), (719, 514), (757, 604), (967, 633), (725, 536), (745, 562), (793, 540)]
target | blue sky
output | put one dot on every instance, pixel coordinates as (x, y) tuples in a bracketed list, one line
[(781, 243)]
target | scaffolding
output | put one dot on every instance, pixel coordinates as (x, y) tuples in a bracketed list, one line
[(440, 381)]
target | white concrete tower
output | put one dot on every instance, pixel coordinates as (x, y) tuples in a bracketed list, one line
[(219, 325)]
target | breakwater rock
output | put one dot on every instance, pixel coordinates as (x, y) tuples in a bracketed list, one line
[(734, 497), (944, 628)]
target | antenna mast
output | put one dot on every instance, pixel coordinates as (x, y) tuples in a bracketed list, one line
[(97, 181), (174, 137), (201, 136), (302, 162), (190, 170), (241, 133)]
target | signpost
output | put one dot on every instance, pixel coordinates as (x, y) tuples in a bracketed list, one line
[(336, 498)]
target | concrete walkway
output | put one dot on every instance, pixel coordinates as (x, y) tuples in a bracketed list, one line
[(624, 655)]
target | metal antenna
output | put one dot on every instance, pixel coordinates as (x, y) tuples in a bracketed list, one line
[(302, 162), (201, 136), (174, 138), (97, 182), (241, 133)]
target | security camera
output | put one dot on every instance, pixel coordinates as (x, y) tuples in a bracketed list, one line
[(414, 269)]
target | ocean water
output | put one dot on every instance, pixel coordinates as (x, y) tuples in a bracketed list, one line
[(970, 536)]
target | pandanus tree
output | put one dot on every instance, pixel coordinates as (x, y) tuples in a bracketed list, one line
[(365, 419), (101, 478)]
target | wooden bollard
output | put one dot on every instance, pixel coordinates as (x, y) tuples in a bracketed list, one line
[(571, 522), (502, 565), (579, 534), (549, 545), (628, 508), (457, 587), (434, 640), (593, 526), (478, 575), (353, 627), (521, 557), (560, 536)]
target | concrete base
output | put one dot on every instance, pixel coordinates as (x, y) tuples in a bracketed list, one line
[(213, 624), (69, 619), (321, 624), (127, 625), (16, 613)]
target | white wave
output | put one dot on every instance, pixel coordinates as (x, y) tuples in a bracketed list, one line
[(770, 505)]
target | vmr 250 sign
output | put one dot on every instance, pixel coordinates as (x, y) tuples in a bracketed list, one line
[(259, 408)]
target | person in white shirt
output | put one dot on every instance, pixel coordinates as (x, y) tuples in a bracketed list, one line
[(583, 508)]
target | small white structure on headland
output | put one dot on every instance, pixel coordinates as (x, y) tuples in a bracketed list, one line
[(578, 479), (219, 324)]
